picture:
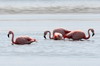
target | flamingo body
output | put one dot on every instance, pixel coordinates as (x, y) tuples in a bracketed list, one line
[(78, 35), (24, 40), (21, 40)]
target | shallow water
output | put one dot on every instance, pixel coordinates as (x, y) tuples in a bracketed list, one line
[(34, 26)]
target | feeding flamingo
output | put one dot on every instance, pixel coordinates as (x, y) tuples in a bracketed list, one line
[(78, 35), (57, 32), (21, 40)]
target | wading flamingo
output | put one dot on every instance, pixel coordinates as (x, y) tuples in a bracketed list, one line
[(78, 35), (21, 40), (59, 31)]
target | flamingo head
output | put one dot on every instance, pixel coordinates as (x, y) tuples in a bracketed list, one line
[(45, 33), (93, 34), (10, 32), (92, 30)]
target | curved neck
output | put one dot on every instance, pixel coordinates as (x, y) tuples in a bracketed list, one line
[(12, 38), (49, 34), (88, 35)]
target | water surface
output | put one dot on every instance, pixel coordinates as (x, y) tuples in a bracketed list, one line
[(34, 25)]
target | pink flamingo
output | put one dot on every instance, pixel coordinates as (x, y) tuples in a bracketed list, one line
[(57, 36), (21, 40), (78, 35)]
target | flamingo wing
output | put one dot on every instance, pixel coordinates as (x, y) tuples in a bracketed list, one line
[(78, 35)]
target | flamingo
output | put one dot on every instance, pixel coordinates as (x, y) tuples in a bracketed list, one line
[(78, 35), (56, 32), (21, 40)]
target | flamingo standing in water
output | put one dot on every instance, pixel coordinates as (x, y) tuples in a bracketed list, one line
[(21, 40), (78, 35), (57, 33)]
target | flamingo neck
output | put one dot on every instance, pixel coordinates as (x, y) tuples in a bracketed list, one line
[(88, 35), (13, 38), (49, 34)]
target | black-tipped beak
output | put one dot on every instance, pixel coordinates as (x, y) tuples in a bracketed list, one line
[(93, 34), (8, 35), (44, 36)]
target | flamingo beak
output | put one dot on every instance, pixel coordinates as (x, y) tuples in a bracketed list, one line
[(8, 35), (44, 36), (93, 34)]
